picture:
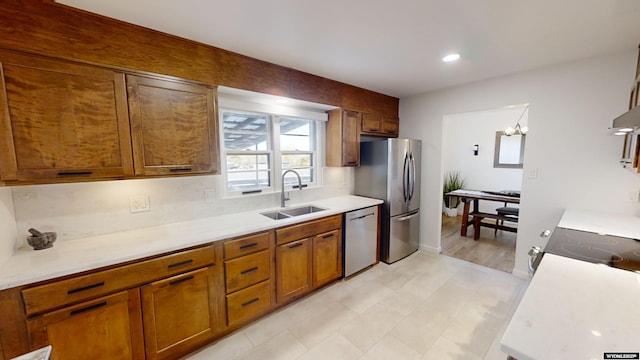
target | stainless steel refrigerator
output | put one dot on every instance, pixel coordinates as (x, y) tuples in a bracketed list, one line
[(390, 170)]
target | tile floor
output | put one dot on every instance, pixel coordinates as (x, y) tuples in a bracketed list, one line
[(426, 306)]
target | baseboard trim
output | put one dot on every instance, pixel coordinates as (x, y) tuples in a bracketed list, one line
[(431, 249)]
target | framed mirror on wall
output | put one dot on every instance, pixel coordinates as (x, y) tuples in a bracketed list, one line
[(509, 151)]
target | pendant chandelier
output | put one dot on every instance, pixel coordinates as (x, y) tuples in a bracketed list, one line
[(517, 130)]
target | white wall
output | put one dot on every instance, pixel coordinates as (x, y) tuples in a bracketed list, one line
[(84, 209), (568, 144), (8, 236), (462, 131)]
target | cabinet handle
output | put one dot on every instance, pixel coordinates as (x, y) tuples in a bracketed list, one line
[(74, 173), (352, 162), (176, 282), (88, 287), (88, 308), (247, 246), (181, 263), (180, 169), (328, 236), (295, 246), (250, 302), (249, 270)]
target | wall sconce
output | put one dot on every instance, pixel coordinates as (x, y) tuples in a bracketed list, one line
[(475, 149)]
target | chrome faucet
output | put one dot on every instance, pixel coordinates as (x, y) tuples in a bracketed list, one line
[(282, 197)]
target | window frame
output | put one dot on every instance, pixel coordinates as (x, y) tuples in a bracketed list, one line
[(274, 153)]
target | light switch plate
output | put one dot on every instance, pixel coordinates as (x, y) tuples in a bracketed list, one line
[(139, 203)]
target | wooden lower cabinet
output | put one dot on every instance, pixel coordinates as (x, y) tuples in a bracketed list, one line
[(179, 313), (109, 327), (327, 258), (293, 269)]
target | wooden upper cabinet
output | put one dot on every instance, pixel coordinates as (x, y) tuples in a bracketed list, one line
[(61, 120), (343, 138), (379, 125), (173, 127)]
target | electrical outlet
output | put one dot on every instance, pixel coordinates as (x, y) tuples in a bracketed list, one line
[(209, 195), (139, 203)]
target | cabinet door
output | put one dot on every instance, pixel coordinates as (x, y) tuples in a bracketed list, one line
[(293, 269), (173, 126), (327, 258), (350, 139), (371, 124), (106, 328), (390, 126), (343, 138), (61, 121), (179, 313)]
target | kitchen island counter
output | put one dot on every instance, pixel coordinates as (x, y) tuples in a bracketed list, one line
[(74, 256), (574, 309)]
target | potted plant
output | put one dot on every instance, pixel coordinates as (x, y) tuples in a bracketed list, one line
[(452, 181)]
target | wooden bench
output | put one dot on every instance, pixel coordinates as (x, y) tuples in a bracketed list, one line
[(477, 222)]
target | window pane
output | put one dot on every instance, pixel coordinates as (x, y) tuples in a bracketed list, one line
[(296, 134), (245, 131), (294, 161), (248, 172)]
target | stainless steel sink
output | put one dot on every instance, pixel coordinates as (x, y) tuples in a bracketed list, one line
[(293, 212), (301, 210)]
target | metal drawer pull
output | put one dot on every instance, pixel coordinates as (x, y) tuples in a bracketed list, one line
[(88, 308), (176, 282), (295, 246), (248, 246), (180, 169), (362, 217), (250, 302), (74, 173), (328, 236), (181, 263), (88, 287), (249, 270)]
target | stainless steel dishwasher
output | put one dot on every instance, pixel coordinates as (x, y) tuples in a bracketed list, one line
[(360, 239)]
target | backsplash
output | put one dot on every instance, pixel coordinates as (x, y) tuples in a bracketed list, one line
[(81, 210), (7, 224)]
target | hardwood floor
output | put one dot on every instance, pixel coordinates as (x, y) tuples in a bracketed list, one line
[(494, 251)]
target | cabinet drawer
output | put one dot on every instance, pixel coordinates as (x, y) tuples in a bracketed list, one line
[(252, 301), (247, 270), (69, 291), (307, 229), (246, 245)]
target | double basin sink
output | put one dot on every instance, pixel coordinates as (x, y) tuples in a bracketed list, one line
[(293, 212)]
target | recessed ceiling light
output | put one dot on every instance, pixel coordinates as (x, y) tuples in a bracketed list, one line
[(451, 58)]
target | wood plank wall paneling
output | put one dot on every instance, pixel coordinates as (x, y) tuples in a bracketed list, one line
[(55, 30), (314, 88), (47, 28), (239, 71)]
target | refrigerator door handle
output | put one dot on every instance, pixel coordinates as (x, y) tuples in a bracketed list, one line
[(412, 177), (405, 178), (411, 215)]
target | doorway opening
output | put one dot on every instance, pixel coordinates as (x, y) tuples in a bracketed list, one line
[(471, 144)]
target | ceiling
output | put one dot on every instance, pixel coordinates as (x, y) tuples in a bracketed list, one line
[(395, 47)]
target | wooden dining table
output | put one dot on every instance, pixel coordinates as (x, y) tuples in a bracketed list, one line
[(474, 196)]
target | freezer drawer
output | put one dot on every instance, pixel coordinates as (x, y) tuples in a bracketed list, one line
[(360, 239), (404, 233)]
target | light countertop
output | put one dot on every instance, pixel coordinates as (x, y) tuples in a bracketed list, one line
[(601, 223), (73, 256), (574, 309)]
